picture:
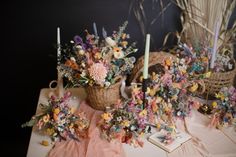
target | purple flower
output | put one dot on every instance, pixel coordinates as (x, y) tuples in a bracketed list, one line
[(79, 41)]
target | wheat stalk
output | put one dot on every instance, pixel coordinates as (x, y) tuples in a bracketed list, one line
[(200, 17)]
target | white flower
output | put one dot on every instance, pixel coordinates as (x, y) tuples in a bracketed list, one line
[(110, 41), (73, 59), (118, 53)]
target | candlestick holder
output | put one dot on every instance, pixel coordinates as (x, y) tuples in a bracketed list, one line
[(144, 90)]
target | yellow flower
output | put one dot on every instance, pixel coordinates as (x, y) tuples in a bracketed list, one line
[(194, 87), (208, 74), (214, 104), (220, 96), (46, 118), (143, 113), (125, 123), (158, 125), (148, 90), (56, 110), (124, 44), (107, 116)]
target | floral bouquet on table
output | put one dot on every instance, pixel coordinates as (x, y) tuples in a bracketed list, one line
[(58, 120), (99, 65), (122, 125), (224, 110)]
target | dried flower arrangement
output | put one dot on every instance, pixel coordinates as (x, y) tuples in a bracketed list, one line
[(199, 21), (123, 125), (168, 97), (97, 62), (224, 110), (58, 120)]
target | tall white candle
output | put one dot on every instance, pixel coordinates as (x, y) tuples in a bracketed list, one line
[(58, 45), (60, 90), (146, 57), (213, 57)]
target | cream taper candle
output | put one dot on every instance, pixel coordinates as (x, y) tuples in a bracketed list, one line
[(60, 90), (146, 57)]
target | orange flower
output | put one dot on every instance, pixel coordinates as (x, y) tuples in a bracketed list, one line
[(55, 117), (72, 64), (168, 62), (116, 49)]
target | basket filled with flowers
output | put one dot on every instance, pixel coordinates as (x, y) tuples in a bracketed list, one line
[(99, 65), (206, 24)]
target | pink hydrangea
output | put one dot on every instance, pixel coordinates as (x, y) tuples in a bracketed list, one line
[(98, 73)]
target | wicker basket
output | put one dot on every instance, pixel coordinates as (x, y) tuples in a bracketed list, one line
[(99, 98), (218, 80), (154, 58), (158, 58)]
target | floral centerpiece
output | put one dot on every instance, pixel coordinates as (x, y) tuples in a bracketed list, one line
[(99, 65), (224, 110), (98, 62), (123, 125), (58, 120)]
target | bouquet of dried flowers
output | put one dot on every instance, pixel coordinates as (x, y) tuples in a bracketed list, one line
[(224, 110), (93, 61), (123, 125), (58, 120)]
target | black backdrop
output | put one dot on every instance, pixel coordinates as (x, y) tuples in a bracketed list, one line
[(28, 54)]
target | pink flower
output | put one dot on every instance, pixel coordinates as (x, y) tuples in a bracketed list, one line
[(98, 72)]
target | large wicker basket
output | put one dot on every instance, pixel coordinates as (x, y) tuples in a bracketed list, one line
[(99, 98), (218, 80), (154, 59)]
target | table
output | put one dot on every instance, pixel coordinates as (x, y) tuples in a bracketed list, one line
[(206, 142)]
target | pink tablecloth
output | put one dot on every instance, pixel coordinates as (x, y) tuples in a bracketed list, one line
[(93, 146)]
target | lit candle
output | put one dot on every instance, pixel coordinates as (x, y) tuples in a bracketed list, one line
[(146, 57), (95, 29), (213, 57)]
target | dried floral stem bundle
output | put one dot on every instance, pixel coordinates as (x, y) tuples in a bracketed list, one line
[(200, 17)]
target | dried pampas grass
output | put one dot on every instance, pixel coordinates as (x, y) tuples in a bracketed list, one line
[(199, 19)]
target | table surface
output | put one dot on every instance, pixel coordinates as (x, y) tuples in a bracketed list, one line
[(35, 149)]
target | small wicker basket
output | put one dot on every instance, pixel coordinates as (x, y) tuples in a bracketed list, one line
[(99, 97), (218, 80)]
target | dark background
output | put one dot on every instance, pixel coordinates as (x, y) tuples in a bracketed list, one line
[(28, 54)]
